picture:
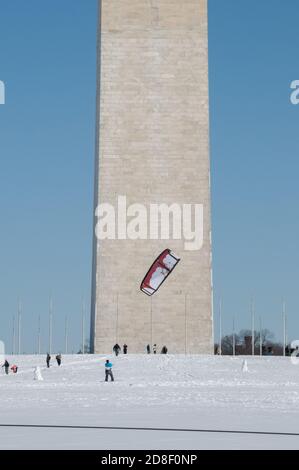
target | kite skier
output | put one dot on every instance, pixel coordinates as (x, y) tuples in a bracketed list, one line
[(48, 359), (108, 371), (6, 367), (116, 349)]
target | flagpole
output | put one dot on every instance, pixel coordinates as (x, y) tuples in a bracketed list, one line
[(284, 326), (50, 324), (185, 323), (234, 337), (19, 326), (83, 327), (252, 328), (116, 322), (38, 336), (261, 339), (13, 336), (66, 334), (151, 322), (220, 327)]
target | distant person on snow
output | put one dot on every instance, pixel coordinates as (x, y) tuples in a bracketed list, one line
[(125, 349), (58, 359), (148, 349), (14, 368), (108, 371), (164, 350), (48, 360), (6, 367), (155, 349), (116, 349)]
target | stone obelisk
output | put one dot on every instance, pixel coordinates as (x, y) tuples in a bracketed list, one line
[(152, 147)]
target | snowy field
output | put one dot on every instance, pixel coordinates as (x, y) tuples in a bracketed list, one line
[(169, 392)]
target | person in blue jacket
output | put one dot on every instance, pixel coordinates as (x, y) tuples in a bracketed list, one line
[(108, 371)]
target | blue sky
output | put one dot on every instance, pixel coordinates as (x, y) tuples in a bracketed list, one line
[(254, 151), (47, 61)]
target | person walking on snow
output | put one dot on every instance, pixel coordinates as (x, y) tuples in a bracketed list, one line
[(125, 349), (108, 371), (155, 349), (48, 360), (58, 359), (116, 349), (148, 349), (6, 367)]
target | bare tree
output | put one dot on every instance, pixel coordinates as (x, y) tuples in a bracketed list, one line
[(267, 336), (243, 343), (227, 344)]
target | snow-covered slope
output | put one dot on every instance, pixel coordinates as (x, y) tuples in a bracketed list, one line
[(175, 392)]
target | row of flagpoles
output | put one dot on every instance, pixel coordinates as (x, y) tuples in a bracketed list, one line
[(17, 330), (252, 310)]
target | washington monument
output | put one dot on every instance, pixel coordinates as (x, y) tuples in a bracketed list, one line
[(152, 149)]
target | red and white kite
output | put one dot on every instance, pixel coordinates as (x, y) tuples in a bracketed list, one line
[(159, 271)]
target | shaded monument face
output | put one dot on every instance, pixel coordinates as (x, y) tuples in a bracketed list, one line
[(152, 188)]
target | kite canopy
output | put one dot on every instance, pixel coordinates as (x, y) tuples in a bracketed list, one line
[(159, 271)]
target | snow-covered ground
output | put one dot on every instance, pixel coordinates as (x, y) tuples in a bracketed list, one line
[(169, 392)]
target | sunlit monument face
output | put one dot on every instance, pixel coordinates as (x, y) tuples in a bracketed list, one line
[(152, 187)]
